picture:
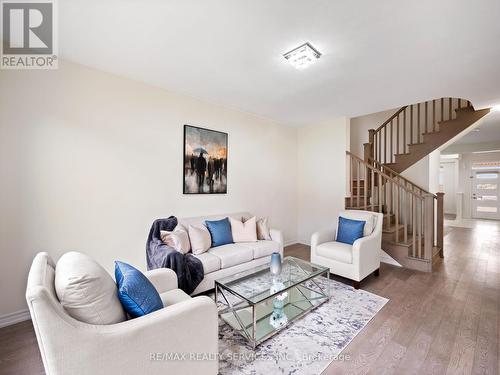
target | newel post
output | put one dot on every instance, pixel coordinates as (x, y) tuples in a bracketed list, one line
[(369, 149), (428, 223), (369, 153), (440, 223)]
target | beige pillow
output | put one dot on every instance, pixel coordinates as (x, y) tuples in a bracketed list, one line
[(263, 232), (200, 239), (178, 239), (243, 232), (87, 292)]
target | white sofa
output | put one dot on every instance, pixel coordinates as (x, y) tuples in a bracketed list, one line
[(229, 259), (137, 346), (354, 261)]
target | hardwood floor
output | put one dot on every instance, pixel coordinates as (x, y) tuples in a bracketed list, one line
[(446, 322), (19, 350)]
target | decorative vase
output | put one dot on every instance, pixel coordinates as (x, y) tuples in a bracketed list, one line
[(275, 267), (278, 317)]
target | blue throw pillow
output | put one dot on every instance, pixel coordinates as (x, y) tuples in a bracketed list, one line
[(136, 293), (220, 231), (350, 230)]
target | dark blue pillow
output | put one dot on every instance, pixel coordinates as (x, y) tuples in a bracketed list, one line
[(349, 230), (136, 293), (220, 230)]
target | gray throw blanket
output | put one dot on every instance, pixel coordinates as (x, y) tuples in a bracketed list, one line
[(188, 268)]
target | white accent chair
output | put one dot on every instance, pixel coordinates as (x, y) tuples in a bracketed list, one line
[(355, 261), (138, 346)]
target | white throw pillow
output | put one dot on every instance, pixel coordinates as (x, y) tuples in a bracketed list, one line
[(243, 232), (178, 239), (200, 239), (263, 232), (87, 292), (369, 219)]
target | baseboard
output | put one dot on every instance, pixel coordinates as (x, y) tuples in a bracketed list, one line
[(303, 242), (13, 318), (290, 242)]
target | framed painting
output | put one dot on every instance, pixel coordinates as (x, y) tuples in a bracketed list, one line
[(205, 161)]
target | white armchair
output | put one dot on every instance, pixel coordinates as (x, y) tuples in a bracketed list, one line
[(185, 327), (354, 261)]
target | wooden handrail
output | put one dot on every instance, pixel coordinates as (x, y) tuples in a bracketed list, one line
[(391, 118), (387, 177), (385, 140), (409, 211), (401, 177)]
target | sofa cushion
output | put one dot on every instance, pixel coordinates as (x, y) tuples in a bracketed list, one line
[(86, 291), (220, 231), (262, 248), (263, 231), (232, 254), (178, 239), (210, 262), (349, 230), (136, 293), (369, 218), (173, 296), (338, 251), (200, 238), (243, 231)]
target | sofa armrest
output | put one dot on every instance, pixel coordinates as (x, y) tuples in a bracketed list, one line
[(366, 253), (323, 236), (277, 236), (163, 279), (187, 330)]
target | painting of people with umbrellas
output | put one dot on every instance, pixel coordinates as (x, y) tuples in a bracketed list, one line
[(205, 161)]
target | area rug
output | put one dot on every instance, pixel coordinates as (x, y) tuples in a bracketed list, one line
[(308, 345)]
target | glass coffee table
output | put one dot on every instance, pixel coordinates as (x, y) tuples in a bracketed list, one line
[(258, 304)]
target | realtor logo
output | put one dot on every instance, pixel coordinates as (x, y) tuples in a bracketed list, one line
[(28, 35)]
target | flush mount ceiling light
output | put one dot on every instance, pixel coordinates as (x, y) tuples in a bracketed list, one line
[(496, 108), (302, 56)]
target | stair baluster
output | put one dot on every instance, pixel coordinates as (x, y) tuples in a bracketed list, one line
[(408, 210)]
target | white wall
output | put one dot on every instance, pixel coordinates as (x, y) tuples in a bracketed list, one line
[(418, 173), (449, 184), (360, 126), (321, 175), (434, 165), (88, 160)]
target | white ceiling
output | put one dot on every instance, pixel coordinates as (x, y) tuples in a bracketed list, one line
[(487, 131), (376, 54)]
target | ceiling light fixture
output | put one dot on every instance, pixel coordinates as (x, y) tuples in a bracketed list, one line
[(302, 56), (496, 108)]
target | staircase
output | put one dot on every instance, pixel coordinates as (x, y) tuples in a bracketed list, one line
[(413, 217), (416, 130)]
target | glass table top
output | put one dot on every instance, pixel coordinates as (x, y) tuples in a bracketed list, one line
[(258, 283)]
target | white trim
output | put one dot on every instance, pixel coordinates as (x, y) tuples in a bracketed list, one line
[(290, 242), (15, 317)]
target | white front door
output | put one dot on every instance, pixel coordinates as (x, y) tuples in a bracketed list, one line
[(485, 194)]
